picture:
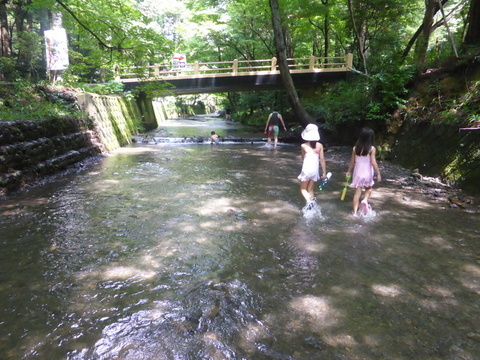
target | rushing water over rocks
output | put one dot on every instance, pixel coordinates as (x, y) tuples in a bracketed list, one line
[(199, 251)]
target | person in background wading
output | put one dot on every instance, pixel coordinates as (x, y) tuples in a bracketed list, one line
[(272, 126)]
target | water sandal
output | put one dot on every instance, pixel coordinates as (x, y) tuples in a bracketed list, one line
[(365, 207), (310, 205)]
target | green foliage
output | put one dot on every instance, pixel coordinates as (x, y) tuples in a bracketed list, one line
[(29, 47), (104, 34), (7, 68), (189, 105), (252, 108), (227, 30), (87, 67), (462, 108), (123, 35), (111, 87), (24, 101), (154, 89), (343, 102), (361, 99), (387, 93)]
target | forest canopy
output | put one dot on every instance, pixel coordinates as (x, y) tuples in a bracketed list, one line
[(391, 41)]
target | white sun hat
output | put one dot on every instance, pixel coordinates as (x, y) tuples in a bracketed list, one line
[(311, 133)]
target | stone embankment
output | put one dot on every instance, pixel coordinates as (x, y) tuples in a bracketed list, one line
[(446, 151), (437, 131), (32, 150)]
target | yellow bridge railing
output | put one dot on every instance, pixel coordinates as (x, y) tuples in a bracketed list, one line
[(197, 69)]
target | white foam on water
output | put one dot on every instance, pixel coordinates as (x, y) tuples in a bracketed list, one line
[(369, 216), (312, 213)]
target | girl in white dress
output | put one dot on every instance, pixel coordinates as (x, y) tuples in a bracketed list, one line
[(312, 155)]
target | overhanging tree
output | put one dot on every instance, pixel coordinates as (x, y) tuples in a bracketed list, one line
[(472, 37), (101, 33), (287, 80)]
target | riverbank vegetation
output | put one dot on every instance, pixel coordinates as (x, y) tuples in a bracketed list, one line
[(393, 42), (403, 53)]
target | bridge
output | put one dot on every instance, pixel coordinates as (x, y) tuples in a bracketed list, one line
[(238, 75)]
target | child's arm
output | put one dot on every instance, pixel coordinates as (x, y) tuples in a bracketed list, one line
[(322, 161), (281, 119), (351, 164), (375, 165)]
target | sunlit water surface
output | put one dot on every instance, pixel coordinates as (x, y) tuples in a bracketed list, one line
[(194, 251)]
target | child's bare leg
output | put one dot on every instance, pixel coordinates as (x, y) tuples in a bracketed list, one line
[(356, 199), (304, 190), (310, 188), (368, 192)]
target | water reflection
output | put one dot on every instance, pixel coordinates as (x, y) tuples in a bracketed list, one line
[(193, 251)]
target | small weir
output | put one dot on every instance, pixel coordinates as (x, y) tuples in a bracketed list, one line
[(197, 140), (175, 250)]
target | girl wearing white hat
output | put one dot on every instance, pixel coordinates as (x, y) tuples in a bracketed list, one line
[(312, 155)]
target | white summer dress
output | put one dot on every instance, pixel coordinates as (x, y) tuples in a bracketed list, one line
[(310, 167)]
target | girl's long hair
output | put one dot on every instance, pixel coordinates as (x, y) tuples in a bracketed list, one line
[(313, 144), (365, 142)]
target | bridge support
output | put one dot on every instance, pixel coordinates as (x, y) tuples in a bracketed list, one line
[(235, 67), (349, 60), (273, 66)]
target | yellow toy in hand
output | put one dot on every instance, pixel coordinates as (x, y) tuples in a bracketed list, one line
[(344, 192)]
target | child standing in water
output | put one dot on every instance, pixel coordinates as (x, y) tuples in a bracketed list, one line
[(363, 158), (312, 154), (214, 138)]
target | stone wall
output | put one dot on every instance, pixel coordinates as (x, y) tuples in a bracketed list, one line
[(115, 118), (448, 151), (438, 129), (31, 150), (34, 149)]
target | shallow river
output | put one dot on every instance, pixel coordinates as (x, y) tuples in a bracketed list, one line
[(198, 251)]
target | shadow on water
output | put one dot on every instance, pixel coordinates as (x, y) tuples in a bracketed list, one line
[(194, 251)]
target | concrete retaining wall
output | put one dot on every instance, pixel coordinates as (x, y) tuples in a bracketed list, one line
[(442, 150), (33, 149)]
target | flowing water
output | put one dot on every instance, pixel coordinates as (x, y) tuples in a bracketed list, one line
[(198, 251)]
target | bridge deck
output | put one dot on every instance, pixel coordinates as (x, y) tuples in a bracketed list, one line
[(238, 75)]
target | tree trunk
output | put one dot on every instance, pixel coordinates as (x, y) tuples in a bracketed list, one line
[(419, 31), (431, 7), (5, 39), (26, 46), (472, 37), (287, 81), (360, 35), (327, 34), (411, 42)]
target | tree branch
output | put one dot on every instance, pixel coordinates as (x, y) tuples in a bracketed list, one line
[(419, 32), (100, 41)]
